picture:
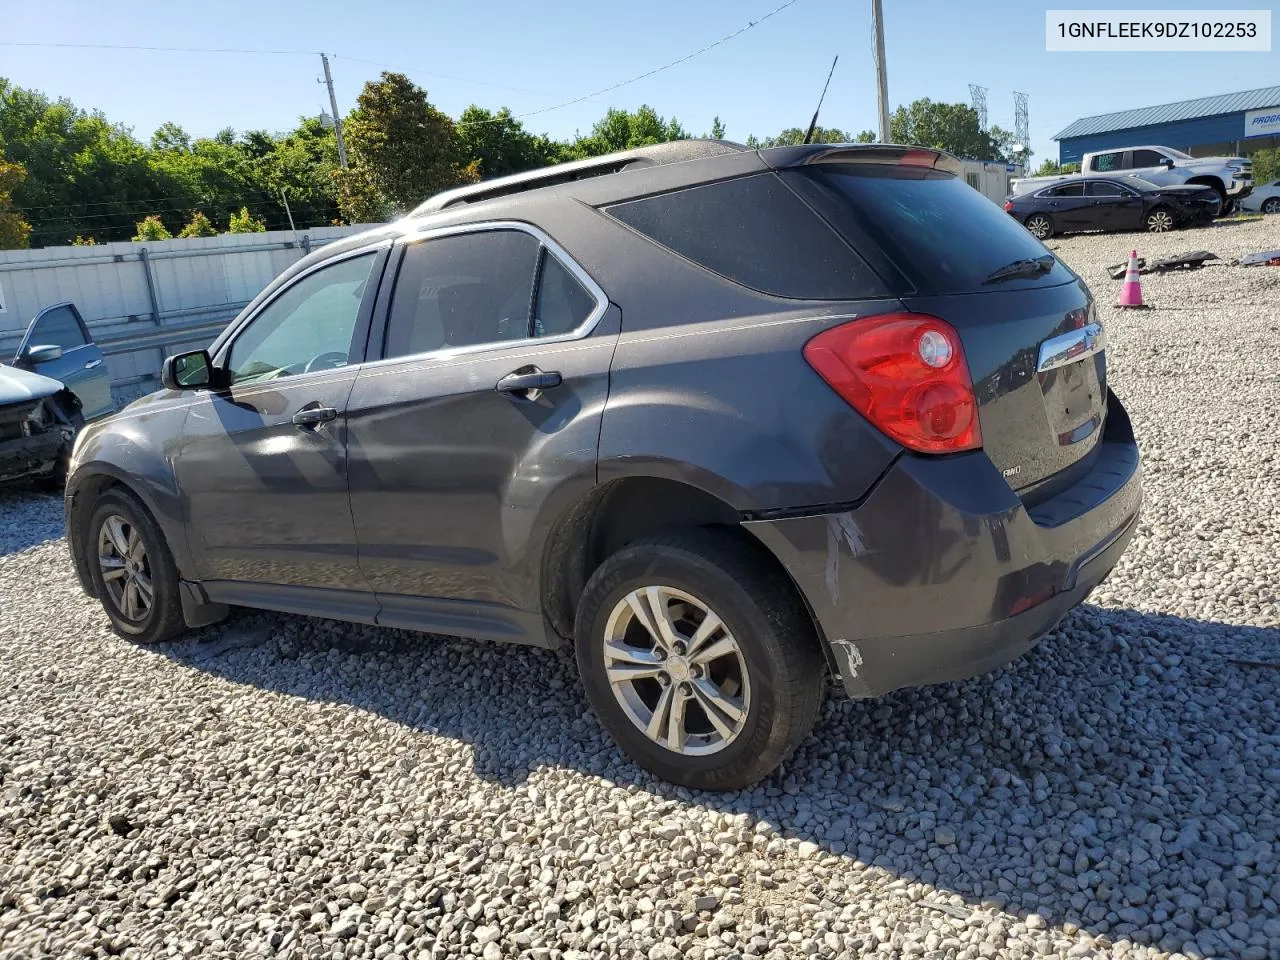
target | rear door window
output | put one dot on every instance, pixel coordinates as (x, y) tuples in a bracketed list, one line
[(936, 231), (757, 233), (1106, 162)]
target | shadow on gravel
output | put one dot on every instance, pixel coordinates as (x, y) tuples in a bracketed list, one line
[(28, 517), (1122, 778)]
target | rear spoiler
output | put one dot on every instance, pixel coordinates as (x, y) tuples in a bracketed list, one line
[(888, 154)]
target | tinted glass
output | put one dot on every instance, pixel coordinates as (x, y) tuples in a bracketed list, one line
[(308, 327), (1106, 161), (1068, 190), (463, 290), (755, 232), (58, 326), (1146, 158), (1103, 189), (933, 227), (563, 303)]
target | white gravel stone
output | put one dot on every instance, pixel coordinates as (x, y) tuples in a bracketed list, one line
[(283, 786)]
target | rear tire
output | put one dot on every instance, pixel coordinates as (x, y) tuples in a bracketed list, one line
[(1040, 225), (132, 570), (752, 684)]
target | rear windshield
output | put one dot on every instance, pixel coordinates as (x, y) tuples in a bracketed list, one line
[(941, 233)]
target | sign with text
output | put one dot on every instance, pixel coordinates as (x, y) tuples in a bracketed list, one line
[(1152, 30), (1262, 123)]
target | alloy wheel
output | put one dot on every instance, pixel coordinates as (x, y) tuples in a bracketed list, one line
[(1040, 227), (676, 670), (1271, 205), (126, 568), (1160, 221)]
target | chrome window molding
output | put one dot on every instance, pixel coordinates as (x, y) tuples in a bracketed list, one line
[(552, 248)]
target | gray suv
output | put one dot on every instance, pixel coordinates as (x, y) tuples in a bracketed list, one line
[(734, 423)]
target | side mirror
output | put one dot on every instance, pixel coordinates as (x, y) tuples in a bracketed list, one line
[(187, 371), (43, 353), (1166, 162)]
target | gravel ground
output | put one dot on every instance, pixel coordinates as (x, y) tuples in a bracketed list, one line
[(282, 786)]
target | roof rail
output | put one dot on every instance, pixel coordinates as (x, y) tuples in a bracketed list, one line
[(674, 151)]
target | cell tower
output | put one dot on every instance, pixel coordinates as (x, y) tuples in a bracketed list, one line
[(1021, 124), (978, 97)]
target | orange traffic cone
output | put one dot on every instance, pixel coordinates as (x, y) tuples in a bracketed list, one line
[(1131, 291)]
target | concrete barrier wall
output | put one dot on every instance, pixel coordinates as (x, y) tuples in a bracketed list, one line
[(146, 301)]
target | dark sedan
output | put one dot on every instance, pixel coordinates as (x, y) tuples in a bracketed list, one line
[(1125, 203)]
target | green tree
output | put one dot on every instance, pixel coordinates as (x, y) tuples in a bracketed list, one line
[(198, 226), (952, 127), (80, 241), (14, 230), (795, 135), (1051, 168), (500, 144), (83, 174), (621, 130), (717, 129), (242, 222), (1266, 165), (150, 229), (401, 146), (170, 136)]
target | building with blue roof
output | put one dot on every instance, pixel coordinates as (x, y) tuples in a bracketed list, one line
[(1231, 124)]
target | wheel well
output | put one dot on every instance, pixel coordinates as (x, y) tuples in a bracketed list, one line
[(616, 514), (1210, 182)]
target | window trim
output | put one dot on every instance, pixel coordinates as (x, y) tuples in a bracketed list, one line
[(222, 350), (374, 356)]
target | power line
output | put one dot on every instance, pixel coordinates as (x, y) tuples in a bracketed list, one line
[(443, 76), (310, 53), (648, 73), (132, 46)]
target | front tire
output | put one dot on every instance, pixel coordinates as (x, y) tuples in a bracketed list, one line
[(1271, 205), (700, 661), (1159, 220), (1041, 226), (132, 570)]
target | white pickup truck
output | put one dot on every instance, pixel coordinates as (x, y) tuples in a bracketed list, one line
[(1232, 177)]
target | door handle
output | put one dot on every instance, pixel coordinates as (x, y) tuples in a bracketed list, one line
[(92, 363), (529, 381), (309, 417)]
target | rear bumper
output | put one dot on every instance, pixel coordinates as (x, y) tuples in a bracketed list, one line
[(942, 573)]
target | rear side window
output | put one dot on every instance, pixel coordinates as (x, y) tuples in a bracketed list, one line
[(1106, 162), (755, 232), (58, 326), (942, 235)]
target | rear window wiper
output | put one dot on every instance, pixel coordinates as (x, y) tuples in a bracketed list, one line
[(1031, 267)]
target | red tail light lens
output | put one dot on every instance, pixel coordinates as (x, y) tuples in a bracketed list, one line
[(906, 373), (1008, 206)]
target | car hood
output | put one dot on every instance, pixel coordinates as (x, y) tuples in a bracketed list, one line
[(1188, 190), (19, 385)]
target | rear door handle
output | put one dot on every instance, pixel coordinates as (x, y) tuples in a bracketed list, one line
[(529, 381), (309, 417), (91, 364)]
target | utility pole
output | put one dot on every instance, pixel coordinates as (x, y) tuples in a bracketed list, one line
[(333, 105), (882, 78)]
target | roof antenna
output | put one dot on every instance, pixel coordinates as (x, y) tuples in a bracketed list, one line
[(808, 137)]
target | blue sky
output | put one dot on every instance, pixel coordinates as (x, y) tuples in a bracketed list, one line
[(530, 56)]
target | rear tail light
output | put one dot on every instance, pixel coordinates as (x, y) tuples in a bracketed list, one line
[(1008, 206), (906, 373)]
